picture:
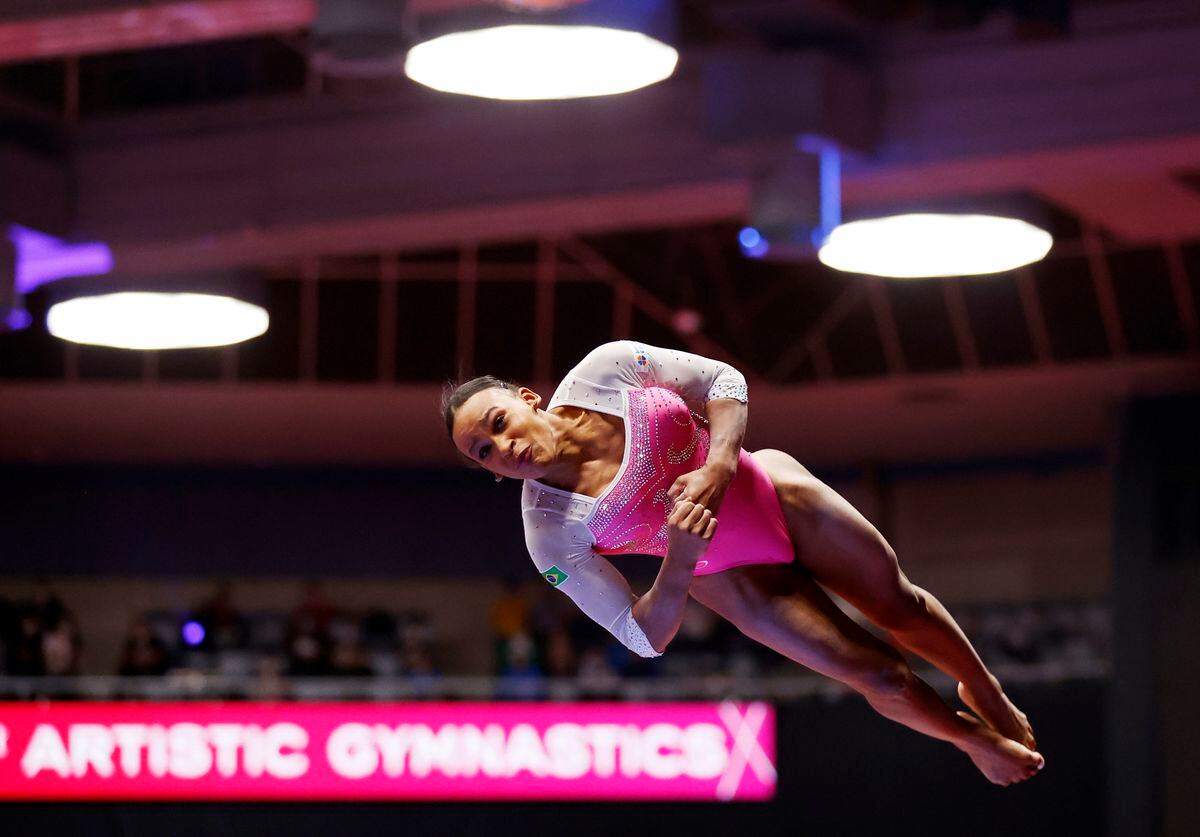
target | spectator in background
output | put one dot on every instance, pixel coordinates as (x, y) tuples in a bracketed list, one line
[(42, 637), (521, 678), (47, 606), (269, 683), (509, 617), (223, 625), (307, 649), (596, 677), (143, 654), (510, 613), (25, 648), (315, 608), (61, 644), (561, 659), (347, 658), (418, 663), (379, 629)]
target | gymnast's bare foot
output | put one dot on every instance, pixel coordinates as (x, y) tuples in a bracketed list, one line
[(1001, 760), (999, 713)]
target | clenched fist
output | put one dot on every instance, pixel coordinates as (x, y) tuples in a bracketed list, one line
[(690, 529)]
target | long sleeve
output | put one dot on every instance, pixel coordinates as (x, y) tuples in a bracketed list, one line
[(587, 577), (626, 363)]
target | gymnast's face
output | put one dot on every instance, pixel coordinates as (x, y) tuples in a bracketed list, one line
[(505, 433)]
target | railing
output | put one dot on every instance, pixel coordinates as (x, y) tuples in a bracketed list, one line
[(194, 685)]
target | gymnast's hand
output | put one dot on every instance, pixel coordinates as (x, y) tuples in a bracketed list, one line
[(690, 528), (706, 485)]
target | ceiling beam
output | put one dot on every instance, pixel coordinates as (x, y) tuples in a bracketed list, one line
[(911, 418), (114, 27)]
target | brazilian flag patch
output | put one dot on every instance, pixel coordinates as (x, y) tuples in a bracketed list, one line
[(555, 576)]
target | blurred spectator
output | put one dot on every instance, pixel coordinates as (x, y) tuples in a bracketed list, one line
[(347, 658), (596, 677), (223, 626), (47, 606), (521, 678), (61, 645), (269, 683), (307, 649), (509, 614), (416, 629), (418, 663), (143, 653), (560, 654), (379, 629), (25, 648), (315, 607), (42, 636)]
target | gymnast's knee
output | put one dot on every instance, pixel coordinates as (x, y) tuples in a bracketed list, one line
[(889, 680)]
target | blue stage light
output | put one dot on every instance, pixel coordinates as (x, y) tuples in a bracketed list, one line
[(752, 242)]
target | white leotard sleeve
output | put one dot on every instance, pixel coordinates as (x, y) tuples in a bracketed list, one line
[(561, 549), (627, 364)]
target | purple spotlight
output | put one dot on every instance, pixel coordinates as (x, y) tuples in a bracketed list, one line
[(42, 258), (193, 633)]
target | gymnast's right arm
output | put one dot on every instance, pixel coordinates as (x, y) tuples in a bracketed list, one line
[(644, 625), (690, 527)]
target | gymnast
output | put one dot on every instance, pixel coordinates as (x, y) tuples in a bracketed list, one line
[(639, 451)]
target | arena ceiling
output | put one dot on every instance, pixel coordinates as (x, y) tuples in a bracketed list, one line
[(405, 237)]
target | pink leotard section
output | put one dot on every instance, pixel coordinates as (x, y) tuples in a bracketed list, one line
[(664, 441)]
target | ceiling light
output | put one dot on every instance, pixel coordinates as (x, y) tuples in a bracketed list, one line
[(154, 320), (591, 49), (180, 311), (928, 245), (540, 62)]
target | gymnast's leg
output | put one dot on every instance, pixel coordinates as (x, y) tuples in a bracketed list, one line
[(782, 607), (847, 555)]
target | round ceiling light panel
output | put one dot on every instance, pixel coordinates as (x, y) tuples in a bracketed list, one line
[(141, 320), (523, 62), (926, 245)]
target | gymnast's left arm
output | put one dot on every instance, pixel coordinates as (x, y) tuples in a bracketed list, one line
[(721, 389), (707, 485)]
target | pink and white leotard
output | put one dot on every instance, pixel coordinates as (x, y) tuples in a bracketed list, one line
[(659, 393)]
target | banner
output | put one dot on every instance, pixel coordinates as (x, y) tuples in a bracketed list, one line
[(377, 751)]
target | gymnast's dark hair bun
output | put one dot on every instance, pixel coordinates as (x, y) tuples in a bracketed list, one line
[(454, 395)]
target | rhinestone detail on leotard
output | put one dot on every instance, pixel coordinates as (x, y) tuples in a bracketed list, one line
[(665, 441), (727, 390), (638, 642)]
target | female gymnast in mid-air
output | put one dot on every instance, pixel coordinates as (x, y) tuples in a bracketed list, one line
[(621, 461)]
